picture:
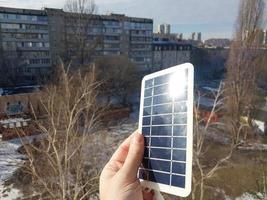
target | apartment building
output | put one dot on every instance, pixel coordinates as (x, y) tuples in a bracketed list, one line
[(32, 41), (168, 53), (24, 42), (103, 35)]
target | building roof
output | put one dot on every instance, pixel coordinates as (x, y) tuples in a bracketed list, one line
[(22, 11), (111, 16), (56, 11)]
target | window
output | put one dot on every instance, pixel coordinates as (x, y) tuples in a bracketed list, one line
[(46, 44), (9, 45), (12, 16), (10, 26), (22, 17), (42, 19), (45, 61), (20, 44), (22, 26), (113, 46)]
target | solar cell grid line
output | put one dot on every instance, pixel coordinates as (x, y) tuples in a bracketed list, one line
[(164, 114), (172, 141)]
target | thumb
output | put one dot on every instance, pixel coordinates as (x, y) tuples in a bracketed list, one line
[(134, 157)]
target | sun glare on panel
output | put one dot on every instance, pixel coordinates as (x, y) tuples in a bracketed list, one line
[(177, 84)]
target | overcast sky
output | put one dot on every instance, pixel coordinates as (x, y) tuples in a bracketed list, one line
[(214, 18)]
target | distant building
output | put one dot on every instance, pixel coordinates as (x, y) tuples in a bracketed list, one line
[(167, 28), (193, 36), (164, 29), (217, 43), (170, 37), (199, 36), (167, 53), (262, 37), (24, 42), (161, 29), (265, 37)]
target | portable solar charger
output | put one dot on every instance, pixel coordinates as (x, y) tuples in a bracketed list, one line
[(166, 122)]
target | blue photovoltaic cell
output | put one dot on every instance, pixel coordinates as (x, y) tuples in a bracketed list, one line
[(159, 165), (162, 109), (178, 181), (161, 99), (180, 107), (179, 142), (182, 97), (161, 142), (178, 168), (146, 131), (179, 155), (162, 79), (146, 121), (160, 153), (148, 92), (160, 177), (163, 178), (180, 118), (147, 101), (161, 130), (164, 122), (149, 83), (161, 120), (179, 130), (147, 111), (161, 89)]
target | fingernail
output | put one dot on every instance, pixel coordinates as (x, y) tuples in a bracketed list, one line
[(138, 138), (146, 190)]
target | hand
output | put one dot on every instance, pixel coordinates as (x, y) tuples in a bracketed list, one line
[(118, 180)]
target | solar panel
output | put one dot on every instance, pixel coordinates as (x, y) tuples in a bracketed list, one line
[(166, 121)]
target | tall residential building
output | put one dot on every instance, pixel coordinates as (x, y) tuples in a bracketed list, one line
[(24, 42), (32, 41), (199, 36), (161, 29), (164, 29), (167, 28), (193, 36), (264, 37), (261, 36), (111, 34)]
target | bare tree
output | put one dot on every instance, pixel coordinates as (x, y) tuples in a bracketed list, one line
[(59, 165), (80, 22), (119, 75), (81, 6), (202, 173), (243, 62)]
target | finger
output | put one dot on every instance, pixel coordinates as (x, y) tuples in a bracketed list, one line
[(116, 161), (134, 157), (148, 194), (121, 153)]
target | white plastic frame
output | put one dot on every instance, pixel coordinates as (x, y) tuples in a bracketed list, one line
[(183, 192)]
